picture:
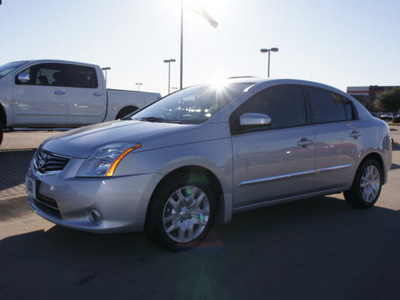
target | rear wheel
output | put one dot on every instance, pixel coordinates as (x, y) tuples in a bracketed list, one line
[(366, 186), (126, 111), (181, 213)]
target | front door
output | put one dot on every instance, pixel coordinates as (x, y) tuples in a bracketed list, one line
[(275, 161), (37, 102)]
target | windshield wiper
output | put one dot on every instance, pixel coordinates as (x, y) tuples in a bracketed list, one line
[(153, 119), (161, 120)]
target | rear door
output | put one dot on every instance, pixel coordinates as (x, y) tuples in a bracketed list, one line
[(38, 102), (339, 140), (275, 161), (87, 100)]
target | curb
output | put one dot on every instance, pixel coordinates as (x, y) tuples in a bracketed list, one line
[(18, 150), (13, 197)]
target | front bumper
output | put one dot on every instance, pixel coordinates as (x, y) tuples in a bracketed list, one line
[(102, 205)]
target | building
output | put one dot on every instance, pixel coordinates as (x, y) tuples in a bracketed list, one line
[(367, 94)]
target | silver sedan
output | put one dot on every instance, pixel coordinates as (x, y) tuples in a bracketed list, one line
[(203, 153)]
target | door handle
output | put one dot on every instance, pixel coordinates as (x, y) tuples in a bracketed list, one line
[(97, 94), (304, 142), (355, 134), (59, 92)]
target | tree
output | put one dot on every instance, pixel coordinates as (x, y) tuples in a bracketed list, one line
[(388, 100)]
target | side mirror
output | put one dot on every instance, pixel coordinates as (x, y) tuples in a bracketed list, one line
[(254, 119), (24, 77)]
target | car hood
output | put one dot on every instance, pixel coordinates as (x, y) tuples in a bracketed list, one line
[(82, 142)]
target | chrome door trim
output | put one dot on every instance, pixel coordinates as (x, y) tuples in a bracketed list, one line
[(335, 168), (261, 180), (287, 176)]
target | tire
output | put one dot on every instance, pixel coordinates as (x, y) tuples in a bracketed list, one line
[(367, 185), (125, 111), (181, 212), (1, 132)]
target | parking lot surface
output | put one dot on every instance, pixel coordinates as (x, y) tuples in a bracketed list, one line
[(318, 248)]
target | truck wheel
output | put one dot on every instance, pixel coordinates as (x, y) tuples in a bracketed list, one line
[(181, 213), (125, 111), (1, 132), (366, 186)]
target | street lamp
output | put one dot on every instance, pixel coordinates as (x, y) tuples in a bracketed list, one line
[(105, 69), (169, 61), (138, 84), (269, 53)]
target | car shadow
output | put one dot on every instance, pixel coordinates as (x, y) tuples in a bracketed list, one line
[(395, 146), (319, 247)]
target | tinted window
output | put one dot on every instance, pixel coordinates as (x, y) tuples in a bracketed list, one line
[(348, 105), (283, 104), (327, 106), (62, 75)]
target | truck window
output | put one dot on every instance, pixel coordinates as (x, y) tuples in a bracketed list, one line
[(82, 76), (61, 75), (45, 74)]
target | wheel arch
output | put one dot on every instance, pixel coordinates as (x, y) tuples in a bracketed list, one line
[(194, 170)]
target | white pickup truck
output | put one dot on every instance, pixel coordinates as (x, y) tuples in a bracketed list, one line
[(54, 93)]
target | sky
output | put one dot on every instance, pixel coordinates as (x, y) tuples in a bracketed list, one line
[(340, 43)]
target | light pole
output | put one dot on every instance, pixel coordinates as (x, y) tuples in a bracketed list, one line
[(138, 85), (169, 61), (263, 50), (105, 69)]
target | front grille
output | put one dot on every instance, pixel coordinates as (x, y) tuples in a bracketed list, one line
[(47, 163)]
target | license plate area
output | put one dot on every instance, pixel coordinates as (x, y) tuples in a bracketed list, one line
[(30, 185)]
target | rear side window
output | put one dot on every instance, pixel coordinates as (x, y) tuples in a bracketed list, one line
[(329, 107), (61, 75), (350, 112), (283, 104)]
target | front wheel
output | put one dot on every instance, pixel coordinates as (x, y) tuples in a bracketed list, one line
[(181, 213), (366, 186)]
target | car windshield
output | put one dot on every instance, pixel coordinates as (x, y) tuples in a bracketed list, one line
[(7, 68), (192, 105)]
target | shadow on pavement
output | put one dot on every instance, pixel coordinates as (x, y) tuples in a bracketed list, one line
[(318, 248)]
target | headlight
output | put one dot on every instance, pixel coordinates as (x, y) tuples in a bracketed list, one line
[(103, 161)]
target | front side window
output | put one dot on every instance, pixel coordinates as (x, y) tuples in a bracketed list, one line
[(283, 104), (328, 106), (61, 75)]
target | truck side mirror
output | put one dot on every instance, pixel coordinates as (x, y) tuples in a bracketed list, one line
[(24, 77), (254, 119)]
